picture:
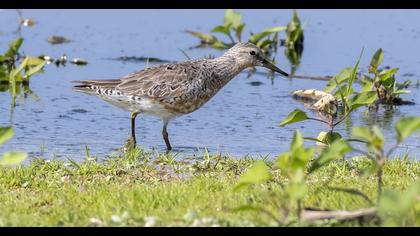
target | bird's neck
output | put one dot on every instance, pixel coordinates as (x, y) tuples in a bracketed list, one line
[(227, 67)]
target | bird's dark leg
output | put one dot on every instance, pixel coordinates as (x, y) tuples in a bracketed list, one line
[(133, 126), (165, 136)]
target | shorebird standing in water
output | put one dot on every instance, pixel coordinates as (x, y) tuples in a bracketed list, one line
[(175, 89)]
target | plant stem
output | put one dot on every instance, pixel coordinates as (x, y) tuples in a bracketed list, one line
[(379, 176), (323, 121), (299, 209), (355, 140), (231, 38), (390, 151), (343, 118)]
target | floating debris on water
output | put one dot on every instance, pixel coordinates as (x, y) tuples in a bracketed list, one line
[(61, 61), (255, 83), (79, 110), (79, 61), (27, 22), (323, 101), (58, 39), (408, 75)]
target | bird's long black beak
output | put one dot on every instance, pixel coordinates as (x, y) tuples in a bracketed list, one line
[(272, 67)]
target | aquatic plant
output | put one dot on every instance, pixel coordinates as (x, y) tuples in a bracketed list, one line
[(381, 82), (294, 42), (15, 77), (382, 88), (10, 73), (268, 39), (331, 114)]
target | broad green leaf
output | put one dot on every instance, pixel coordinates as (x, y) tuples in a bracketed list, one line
[(205, 38), (12, 82), (13, 158), (294, 31), (372, 135), (328, 137), (407, 126), (257, 173), (387, 77), (296, 160), (284, 161), (232, 18), (295, 116), (363, 99), (255, 38), (34, 70), (6, 133), (379, 137), (335, 151), (297, 140), (362, 132), (343, 93), (221, 29), (34, 61), (353, 75), (296, 191), (344, 99), (265, 43), (367, 84), (401, 91), (394, 206), (219, 45), (387, 73), (19, 68), (341, 77), (238, 32), (301, 158), (377, 59), (14, 48)]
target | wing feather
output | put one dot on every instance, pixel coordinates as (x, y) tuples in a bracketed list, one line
[(164, 81)]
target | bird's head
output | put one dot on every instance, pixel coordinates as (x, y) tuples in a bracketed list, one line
[(248, 55)]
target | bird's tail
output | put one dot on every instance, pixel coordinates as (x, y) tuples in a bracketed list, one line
[(92, 86)]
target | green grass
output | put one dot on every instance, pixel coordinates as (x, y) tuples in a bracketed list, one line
[(144, 189)]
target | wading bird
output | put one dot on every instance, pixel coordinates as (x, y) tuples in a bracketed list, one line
[(175, 89)]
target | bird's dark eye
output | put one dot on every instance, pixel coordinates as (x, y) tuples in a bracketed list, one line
[(252, 53)]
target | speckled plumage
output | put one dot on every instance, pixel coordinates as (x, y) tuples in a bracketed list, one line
[(175, 89)]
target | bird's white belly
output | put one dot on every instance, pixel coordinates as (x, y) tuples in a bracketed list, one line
[(140, 105)]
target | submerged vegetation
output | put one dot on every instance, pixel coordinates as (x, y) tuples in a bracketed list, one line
[(15, 77), (268, 39), (382, 82)]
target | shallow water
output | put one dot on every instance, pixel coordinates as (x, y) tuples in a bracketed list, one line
[(241, 119)]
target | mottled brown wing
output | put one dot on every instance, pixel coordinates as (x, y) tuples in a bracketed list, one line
[(164, 81)]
